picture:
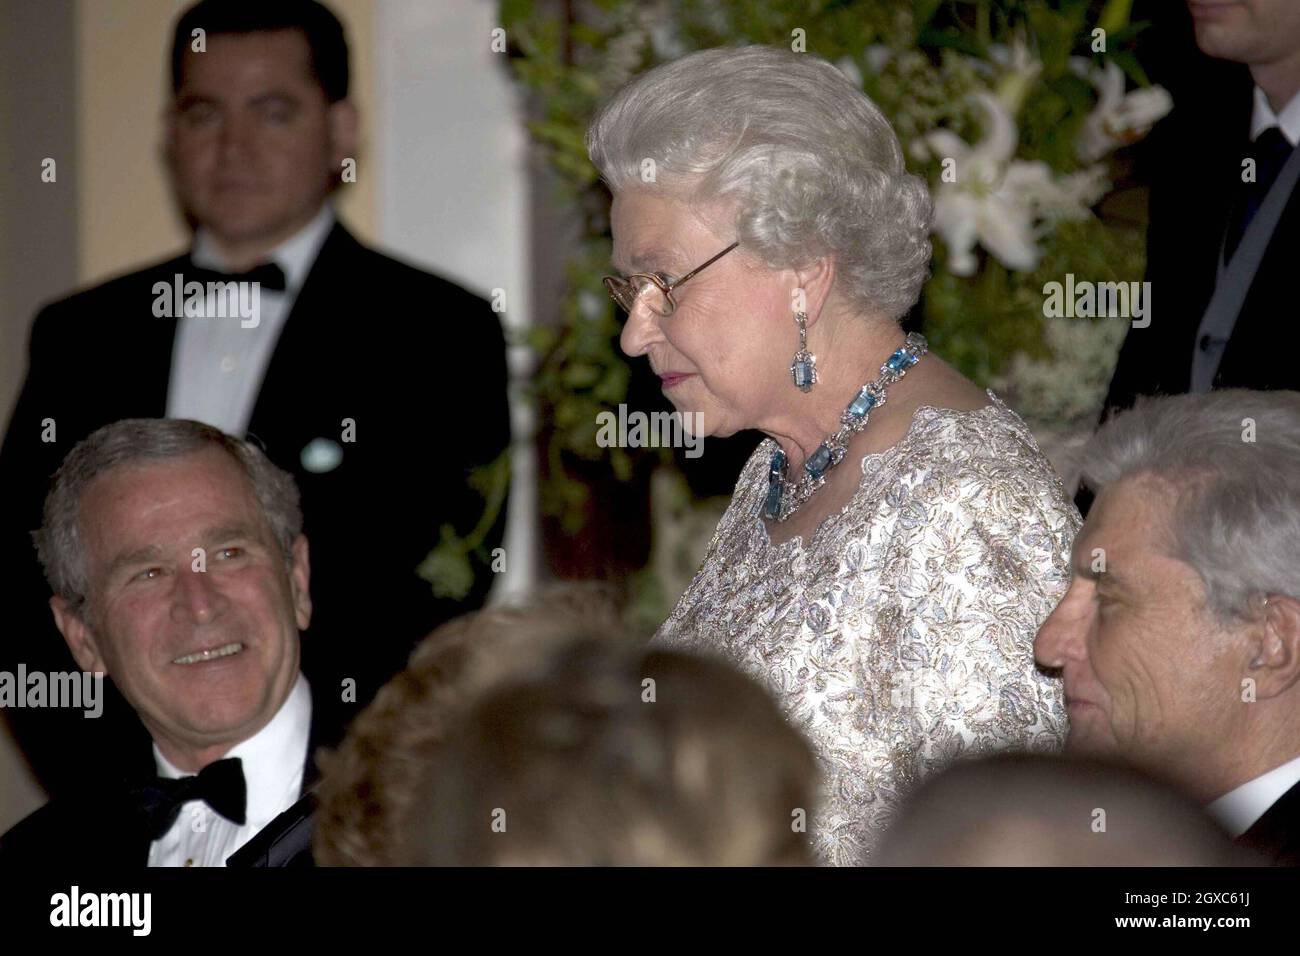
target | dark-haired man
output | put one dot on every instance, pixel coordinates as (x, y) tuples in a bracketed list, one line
[(377, 386)]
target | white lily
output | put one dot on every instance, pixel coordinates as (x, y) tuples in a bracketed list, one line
[(1019, 71), (1120, 118), (995, 200)]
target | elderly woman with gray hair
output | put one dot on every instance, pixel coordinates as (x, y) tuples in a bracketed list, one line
[(894, 543)]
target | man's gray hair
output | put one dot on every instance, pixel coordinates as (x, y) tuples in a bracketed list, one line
[(812, 163), (133, 441), (1234, 456)]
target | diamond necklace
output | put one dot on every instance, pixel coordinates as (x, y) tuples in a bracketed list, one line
[(784, 497)]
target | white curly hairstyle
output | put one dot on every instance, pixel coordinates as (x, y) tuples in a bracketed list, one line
[(812, 164)]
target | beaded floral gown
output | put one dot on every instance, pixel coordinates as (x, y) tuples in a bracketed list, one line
[(900, 637)]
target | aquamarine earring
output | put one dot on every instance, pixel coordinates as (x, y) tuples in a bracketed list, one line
[(804, 367)]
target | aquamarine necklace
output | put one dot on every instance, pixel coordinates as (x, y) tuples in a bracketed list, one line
[(784, 497)]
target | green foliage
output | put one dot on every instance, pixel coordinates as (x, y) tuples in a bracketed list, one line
[(919, 60), (450, 566)]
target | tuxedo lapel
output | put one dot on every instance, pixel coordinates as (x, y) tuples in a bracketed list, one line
[(149, 347), (286, 840), (1190, 256), (1267, 305), (325, 733), (1276, 835), (306, 349)]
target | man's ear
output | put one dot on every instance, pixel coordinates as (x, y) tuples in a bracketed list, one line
[(1275, 646), (345, 132), (813, 287), (300, 582), (80, 638)]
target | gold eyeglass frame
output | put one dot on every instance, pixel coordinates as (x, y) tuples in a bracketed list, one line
[(625, 291)]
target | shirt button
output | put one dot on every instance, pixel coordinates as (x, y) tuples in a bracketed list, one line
[(228, 364)]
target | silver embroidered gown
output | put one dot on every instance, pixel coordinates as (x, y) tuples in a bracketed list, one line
[(901, 636)]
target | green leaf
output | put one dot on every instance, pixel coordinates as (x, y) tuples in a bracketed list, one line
[(447, 567)]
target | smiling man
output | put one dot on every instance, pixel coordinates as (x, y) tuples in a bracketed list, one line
[(1179, 639), (338, 375), (179, 569)]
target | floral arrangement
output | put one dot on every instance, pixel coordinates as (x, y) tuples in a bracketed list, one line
[(1015, 111), (1012, 109)]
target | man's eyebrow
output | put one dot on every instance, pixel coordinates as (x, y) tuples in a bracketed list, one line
[(227, 532), (1085, 558), (1115, 581), (210, 536), (261, 99), (273, 96), (194, 99), (128, 558)]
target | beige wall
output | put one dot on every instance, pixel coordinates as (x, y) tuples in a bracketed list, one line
[(113, 211)]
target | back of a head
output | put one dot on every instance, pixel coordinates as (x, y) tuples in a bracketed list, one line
[(370, 782), (1032, 810), (618, 757)]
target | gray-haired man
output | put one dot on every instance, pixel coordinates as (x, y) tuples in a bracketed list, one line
[(179, 569), (1179, 638)]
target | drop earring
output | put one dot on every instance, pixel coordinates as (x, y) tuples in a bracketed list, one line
[(804, 367)]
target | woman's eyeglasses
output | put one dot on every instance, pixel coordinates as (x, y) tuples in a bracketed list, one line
[(654, 286)]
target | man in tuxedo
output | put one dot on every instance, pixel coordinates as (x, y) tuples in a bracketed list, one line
[(1178, 641), (1222, 241), (179, 570), (379, 387)]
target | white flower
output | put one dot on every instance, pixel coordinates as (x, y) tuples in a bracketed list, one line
[(1120, 118), (1073, 195), (1019, 69), (877, 56), (995, 200), (590, 305), (850, 69), (664, 39)]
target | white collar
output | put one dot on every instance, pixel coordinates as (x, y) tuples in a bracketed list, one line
[(273, 758), (295, 255), (1263, 117), (1238, 810)]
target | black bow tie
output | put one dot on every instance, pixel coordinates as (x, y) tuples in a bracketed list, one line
[(268, 274), (220, 785)]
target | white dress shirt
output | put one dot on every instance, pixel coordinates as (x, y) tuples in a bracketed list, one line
[(1263, 118), (1240, 809), (274, 759), (217, 363)]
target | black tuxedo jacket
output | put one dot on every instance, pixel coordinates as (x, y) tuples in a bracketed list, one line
[(418, 364), (1194, 162), (1276, 835), (100, 828), (1196, 167)]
